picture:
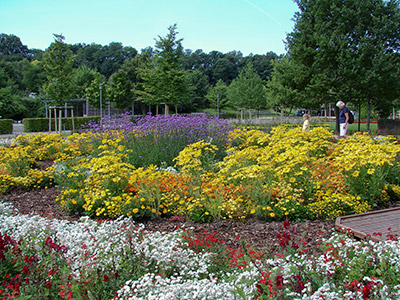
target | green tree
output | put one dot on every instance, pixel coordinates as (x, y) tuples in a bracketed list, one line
[(33, 76), (93, 91), (12, 49), (262, 63), (10, 105), (165, 82), (287, 80), (247, 90), (58, 64), (198, 85), (347, 49), (104, 59), (217, 95), (121, 89), (82, 79), (227, 67)]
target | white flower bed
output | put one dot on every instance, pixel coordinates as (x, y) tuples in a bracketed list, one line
[(91, 244)]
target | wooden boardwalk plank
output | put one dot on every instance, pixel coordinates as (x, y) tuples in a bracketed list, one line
[(367, 224)]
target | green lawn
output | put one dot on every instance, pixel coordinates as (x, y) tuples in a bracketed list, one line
[(373, 127)]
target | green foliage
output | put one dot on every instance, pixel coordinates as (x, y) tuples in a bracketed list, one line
[(36, 124), (58, 64), (217, 95), (106, 59), (6, 126), (42, 124), (12, 49), (33, 76), (247, 90), (165, 81), (346, 50), (198, 85), (82, 79), (121, 89), (10, 104), (93, 91), (286, 82)]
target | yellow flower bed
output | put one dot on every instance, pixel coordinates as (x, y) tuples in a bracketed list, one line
[(286, 173)]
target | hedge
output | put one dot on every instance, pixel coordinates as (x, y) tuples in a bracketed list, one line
[(42, 124), (6, 126)]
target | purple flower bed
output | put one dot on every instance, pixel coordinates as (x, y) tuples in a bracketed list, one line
[(159, 139)]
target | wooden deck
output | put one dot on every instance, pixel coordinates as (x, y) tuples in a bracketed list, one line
[(367, 224)]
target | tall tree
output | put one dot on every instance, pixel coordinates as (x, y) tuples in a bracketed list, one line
[(286, 82), (247, 90), (82, 79), (217, 95), (12, 49), (339, 44), (262, 63), (227, 67), (58, 64), (166, 82), (198, 85), (33, 76), (97, 90)]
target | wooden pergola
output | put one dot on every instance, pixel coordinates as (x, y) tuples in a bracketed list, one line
[(58, 110)]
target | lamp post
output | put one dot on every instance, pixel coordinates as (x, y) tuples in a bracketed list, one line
[(101, 106), (218, 105)]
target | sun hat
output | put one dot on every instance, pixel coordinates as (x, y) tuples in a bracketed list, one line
[(340, 103)]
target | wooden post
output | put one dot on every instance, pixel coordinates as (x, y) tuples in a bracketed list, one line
[(72, 116), (49, 120), (59, 121), (55, 119)]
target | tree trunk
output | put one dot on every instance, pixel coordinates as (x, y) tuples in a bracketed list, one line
[(176, 108), (166, 109), (250, 113), (282, 107), (290, 111), (157, 109), (359, 116)]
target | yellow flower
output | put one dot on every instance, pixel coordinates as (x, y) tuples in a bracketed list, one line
[(135, 210), (371, 171), (355, 174), (272, 215)]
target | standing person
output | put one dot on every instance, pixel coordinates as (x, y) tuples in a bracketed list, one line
[(306, 123), (344, 116)]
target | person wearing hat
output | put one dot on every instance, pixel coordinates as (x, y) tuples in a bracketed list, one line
[(343, 118)]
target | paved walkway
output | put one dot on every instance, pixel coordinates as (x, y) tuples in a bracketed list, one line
[(18, 129), (376, 225)]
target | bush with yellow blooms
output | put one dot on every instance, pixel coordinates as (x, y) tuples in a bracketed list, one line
[(283, 173)]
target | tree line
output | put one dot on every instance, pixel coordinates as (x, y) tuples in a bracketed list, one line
[(167, 74), (338, 50)]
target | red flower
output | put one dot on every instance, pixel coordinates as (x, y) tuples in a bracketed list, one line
[(51, 272), (279, 281), (48, 285), (25, 270), (105, 278), (286, 223)]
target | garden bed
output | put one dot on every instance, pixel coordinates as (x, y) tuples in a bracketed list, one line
[(259, 234)]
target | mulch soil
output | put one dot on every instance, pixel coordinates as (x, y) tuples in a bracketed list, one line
[(260, 235)]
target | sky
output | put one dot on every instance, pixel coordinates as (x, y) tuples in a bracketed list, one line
[(248, 26)]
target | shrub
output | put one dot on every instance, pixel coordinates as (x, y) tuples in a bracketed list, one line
[(42, 124), (6, 126)]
